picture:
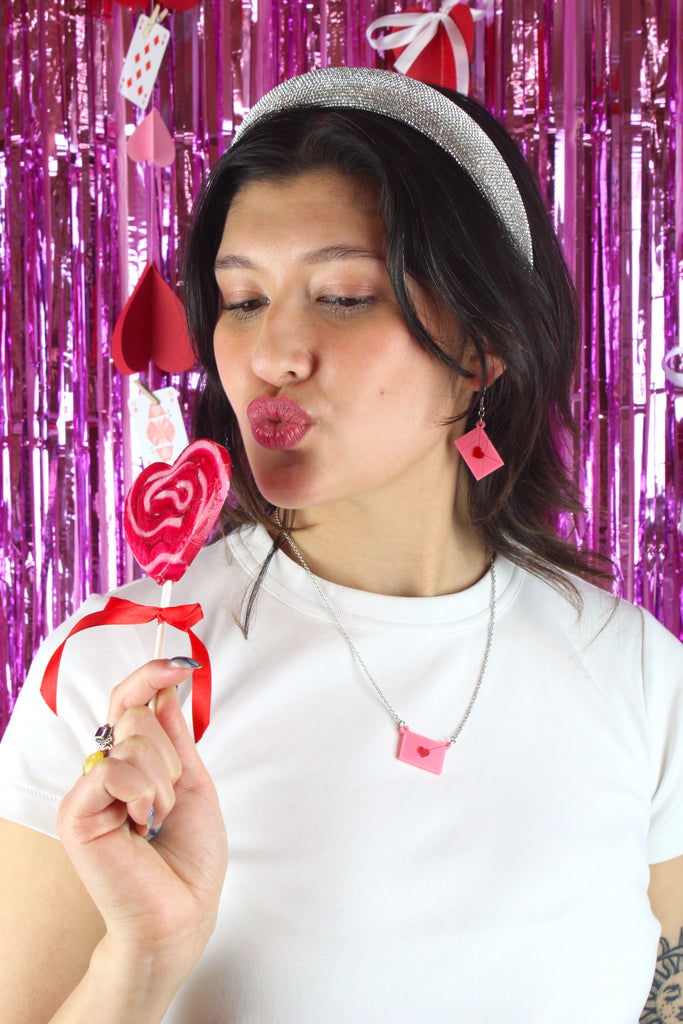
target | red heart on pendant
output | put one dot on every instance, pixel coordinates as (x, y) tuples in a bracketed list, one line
[(170, 510), (423, 751)]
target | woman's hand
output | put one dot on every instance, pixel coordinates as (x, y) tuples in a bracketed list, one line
[(158, 899)]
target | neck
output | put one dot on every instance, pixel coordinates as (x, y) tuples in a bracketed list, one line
[(407, 551)]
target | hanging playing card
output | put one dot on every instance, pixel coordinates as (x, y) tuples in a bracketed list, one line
[(142, 63), (159, 426)]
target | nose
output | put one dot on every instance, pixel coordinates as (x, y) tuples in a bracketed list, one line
[(283, 350)]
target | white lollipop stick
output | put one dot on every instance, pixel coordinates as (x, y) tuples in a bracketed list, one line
[(166, 588), (161, 628)]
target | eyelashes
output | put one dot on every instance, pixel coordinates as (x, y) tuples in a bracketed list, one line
[(244, 310), (344, 304), (338, 305)]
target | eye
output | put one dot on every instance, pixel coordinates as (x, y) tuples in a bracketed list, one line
[(243, 310), (346, 304)]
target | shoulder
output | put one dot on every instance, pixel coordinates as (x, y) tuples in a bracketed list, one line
[(620, 645), (596, 612)]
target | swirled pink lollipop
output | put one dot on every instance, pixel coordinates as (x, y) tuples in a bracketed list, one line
[(171, 510), (169, 513)]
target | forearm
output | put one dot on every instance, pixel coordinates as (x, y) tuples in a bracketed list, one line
[(667, 991), (665, 1001), (122, 989)]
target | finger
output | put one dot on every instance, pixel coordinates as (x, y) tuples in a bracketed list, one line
[(103, 800), (144, 683), (172, 719), (139, 752), (142, 722)]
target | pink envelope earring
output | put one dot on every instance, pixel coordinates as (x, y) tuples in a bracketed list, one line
[(476, 448)]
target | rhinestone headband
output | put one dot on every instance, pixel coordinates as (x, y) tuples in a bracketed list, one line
[(422, 108)]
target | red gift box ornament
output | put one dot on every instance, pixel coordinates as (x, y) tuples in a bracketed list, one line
[(431, 46)]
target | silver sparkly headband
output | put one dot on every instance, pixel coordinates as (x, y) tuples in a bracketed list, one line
[(423, 108)]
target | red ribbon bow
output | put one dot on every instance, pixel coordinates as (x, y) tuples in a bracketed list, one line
[(118, 612)]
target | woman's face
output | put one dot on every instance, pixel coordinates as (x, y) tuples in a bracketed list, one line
[(334, 398)]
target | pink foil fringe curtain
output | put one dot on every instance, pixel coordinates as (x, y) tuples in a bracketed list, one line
[(592, 92)]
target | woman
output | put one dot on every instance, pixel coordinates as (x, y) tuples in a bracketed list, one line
[(443, 759)]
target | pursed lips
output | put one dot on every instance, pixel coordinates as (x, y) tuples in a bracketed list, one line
[(278, 423)]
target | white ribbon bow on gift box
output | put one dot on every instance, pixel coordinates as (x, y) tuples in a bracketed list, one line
[(416, 29)]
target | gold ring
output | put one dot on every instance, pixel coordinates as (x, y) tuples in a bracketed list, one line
[(92, 759)]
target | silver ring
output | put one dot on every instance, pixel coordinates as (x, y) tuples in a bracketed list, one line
[(104, 737)]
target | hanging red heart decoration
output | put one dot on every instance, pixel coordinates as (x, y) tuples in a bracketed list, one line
[(152, 328)]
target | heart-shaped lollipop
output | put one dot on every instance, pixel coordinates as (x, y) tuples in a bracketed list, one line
[(170, 510), (169, 513)]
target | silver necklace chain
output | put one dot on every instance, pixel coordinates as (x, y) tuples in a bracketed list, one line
[(356, 654)]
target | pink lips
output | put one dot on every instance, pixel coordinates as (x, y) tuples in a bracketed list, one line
[(277, 423)]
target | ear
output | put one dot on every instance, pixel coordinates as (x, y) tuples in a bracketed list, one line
[(494, 367)]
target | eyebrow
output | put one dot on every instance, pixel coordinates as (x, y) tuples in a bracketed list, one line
[(326, 254)]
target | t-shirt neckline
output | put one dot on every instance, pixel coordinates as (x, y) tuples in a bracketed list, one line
[(289, 583)]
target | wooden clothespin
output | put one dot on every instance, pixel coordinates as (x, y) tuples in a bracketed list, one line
[(158, 15), (145, 390)]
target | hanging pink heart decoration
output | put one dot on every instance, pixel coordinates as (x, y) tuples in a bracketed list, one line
[(151, 141), (152, 328)]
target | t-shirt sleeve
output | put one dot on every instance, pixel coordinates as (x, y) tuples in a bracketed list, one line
[(41, 753), (663, 683)]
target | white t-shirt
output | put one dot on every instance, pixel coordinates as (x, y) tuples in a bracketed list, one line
[(511, 888)]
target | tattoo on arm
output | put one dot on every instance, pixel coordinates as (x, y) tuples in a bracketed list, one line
[(665, 1002)]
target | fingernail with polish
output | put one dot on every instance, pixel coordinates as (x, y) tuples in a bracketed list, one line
[(152, 832), (185, 663)]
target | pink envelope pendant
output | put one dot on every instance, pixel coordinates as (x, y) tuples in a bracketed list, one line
[(478, 451), (420, 751)]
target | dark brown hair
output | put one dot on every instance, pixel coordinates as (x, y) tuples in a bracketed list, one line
[(443, 233)]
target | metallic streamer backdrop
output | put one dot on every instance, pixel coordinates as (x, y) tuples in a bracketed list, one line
[(592, 92)]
